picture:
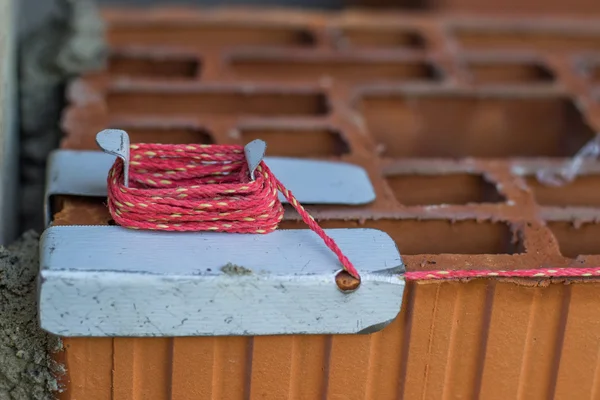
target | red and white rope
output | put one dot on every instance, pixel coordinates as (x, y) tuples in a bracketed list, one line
[(516, 273), (207, 188), (202, 188)]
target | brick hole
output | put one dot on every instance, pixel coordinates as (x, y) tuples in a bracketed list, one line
[(209, 34), (465, 125), (514, 39), (420, 190), (382, 38), (490, 73), (153, 67), (349, 71), (299, 142), (168, 135), (575, 241), (174, 103), (436, 236), (583, 191), (595, 74)]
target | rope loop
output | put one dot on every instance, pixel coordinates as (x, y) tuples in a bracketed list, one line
[(202, 188)]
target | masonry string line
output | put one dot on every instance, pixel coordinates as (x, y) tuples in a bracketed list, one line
[(190, 188), (515, 273), (208, 188)]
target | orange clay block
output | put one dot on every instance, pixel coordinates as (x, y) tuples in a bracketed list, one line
[(351, 88)]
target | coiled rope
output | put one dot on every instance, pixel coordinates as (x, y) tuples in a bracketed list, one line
[(202, 188)]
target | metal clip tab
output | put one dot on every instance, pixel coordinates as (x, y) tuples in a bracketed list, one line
[(116, 142), (255, 152)]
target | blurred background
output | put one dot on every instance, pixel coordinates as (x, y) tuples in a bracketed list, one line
[(34, 11), (61, 39)]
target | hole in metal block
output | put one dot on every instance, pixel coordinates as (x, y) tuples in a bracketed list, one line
[(202, 102), (575, 241), (153, 67), (584, 191), (526, 39), (475, 125), (491, 73), (342, 70), (298, 142), (168, 135), (209, 35), (420, 190), (74, 210), (403, 37), (436, 236)]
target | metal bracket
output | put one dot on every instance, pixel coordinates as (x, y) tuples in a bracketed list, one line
[(84, 173), (111, 281), (255, 153), (116, 142)]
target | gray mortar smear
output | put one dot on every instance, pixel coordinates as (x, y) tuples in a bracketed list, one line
[(27, 371), (68, 44), (232, 269)]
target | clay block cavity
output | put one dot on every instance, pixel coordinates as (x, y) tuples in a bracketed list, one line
[(298, 142), (153, 67), (527, 39), (509, 72), (342, 70), (474, 125), (394, 37), (460, 188), (584, 191), (171, 103), (414, 236), (595, 74), (206, 34), (169, 135), (576, 240)]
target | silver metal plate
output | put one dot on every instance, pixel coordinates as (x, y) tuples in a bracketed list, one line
[(111, 281), (84, 173)]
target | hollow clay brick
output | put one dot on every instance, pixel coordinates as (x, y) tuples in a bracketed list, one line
[(442, 112)]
